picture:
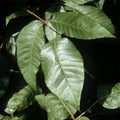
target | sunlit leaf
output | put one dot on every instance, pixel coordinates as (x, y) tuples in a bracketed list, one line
[(29, 44), (78, 25), (63, 68), (55, 107), (110, 96)]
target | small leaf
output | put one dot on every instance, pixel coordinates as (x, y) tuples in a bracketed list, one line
[(15, 15), (63, 68), (20, 100), (29, 44), (110, 96), (101, 3), (55, 107), (78, 25), (11, 44)]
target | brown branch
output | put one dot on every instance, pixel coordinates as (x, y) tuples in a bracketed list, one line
[(42, 20)]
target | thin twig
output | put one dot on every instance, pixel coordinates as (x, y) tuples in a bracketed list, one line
[(42, 20), (94, 105)]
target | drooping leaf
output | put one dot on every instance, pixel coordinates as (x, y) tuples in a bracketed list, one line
[(72, 2), (14, 15), (63, 68), (55, 107), (20, 100), (4, 75), (109, 95), (97, 15), (29, 44), (78, 25)]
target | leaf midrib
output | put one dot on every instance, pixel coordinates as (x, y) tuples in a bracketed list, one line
[(78, 28), (55, 47), (31, 51)]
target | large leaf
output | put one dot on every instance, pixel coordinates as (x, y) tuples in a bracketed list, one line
[(62, 65), (55, 107), (29, 44), (97, 15), (110, 96), (79, 25)]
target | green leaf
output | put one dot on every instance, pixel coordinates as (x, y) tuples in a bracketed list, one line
[(50, 32), (20, 100), (96, 15), (63, 68), (109, 95), (101, 3), (55, 107), (29, 44), (72, 2), (79, 25), (11, 44)]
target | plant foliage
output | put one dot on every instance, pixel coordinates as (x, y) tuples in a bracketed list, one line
[(48, 67)]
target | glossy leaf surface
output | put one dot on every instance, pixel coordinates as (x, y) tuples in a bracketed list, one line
[(62, 65), (96, 15), (29, 44), (78, 25)]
